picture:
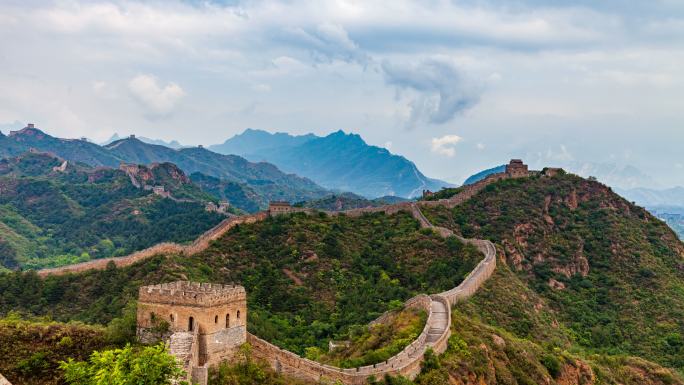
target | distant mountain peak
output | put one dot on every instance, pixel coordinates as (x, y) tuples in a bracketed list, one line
[(340, 160)]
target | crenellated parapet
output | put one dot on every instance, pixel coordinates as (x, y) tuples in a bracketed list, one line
[(191, 293)]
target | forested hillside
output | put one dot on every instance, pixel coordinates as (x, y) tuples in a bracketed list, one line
[(308, 278), (50, 217)]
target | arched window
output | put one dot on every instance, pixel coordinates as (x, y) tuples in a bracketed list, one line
[(171, 317), (227, 321), (191, 324), (238, 314), (216, 319)]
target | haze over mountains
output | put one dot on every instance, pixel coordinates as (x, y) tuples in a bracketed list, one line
[(338, 161), (170, 144)]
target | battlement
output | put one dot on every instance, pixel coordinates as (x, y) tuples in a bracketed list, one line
[(191, 293)]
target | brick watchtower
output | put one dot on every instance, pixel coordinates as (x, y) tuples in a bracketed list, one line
[(216, 314)]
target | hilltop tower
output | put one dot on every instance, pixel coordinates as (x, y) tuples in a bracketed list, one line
[(517, 169), (204, 323)]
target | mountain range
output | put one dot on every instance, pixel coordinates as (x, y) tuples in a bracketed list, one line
[(338, 161), (264, 179)]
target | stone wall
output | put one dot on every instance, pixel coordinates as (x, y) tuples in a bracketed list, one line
[(166, 248), (212, 349), (3, 381)]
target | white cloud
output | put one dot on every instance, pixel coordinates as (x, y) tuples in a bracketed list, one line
[(158, 100), (445, 145), (443, 91), (548, 68), (562, 154), (480, 146), (327, 42), (261, 87)]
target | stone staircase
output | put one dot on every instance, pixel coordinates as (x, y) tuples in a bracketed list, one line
[(181, 347), (439, 322)]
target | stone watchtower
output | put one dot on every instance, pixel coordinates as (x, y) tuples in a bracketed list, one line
[(517, 169), (204, 323)]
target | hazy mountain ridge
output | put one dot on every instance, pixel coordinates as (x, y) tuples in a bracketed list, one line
[(170, 144), (266, 179), (253, 141), (338, 161), (666, 204)]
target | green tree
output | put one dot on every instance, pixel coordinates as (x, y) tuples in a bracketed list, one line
[(151, 365)]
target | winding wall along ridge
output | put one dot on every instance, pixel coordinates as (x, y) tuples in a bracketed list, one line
[(407, 363), (203, 241)]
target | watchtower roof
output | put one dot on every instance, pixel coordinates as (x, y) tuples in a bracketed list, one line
[(191, 293)]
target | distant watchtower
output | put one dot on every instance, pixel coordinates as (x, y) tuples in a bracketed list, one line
[(279, 207), (517, 169), (215, 313)]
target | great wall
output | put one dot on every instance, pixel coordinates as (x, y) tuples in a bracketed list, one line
[(435, 335)]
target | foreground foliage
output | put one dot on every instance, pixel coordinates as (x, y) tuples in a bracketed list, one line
[(31, 350), (150, 365)]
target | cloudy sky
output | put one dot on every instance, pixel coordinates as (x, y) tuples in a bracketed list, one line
[(453, 85)]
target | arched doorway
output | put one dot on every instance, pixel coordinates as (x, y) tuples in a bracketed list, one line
[(227, 321), (191, 324)]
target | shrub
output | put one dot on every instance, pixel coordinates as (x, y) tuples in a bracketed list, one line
[(151, 365), (552, 364)]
